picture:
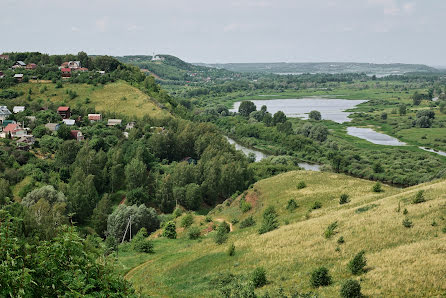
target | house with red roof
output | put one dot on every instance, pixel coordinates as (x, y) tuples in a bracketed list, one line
[(4, 57), (14, 130), (77, 135), (64, 112), (94, 117), (66, 72)]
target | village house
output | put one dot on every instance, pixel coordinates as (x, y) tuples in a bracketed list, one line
[(77, 135), (19, 64), (52, 126), (69, 122), (6, 122), (94, 117), (4, 57), (25, 142), (18, 109), (130, 125), (14, 130), (31, 118), (81, 69), (31, 66), (102, 72), (18, 77), (4, 113), (114, 122), (74, 64), (64, 112), (66, 72)]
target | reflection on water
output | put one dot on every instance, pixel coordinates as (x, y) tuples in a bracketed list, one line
[(373, 136), (260, 155), (331, 109)]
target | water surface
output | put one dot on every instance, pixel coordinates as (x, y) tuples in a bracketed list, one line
[(330, 108), (374, 137)]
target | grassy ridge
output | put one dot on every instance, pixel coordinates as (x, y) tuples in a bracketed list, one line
[(401, 261)]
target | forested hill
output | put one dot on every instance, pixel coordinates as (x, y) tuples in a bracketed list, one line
[(171, 68), (325, 67)]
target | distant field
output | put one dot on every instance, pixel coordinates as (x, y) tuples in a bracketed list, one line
[(401, 261), (119, 97)]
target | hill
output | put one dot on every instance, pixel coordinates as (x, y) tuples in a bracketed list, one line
[(325, 67), (116, 98), (401, 261)]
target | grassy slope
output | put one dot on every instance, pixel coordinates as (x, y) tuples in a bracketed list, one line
[(108, 98), (401, 261)]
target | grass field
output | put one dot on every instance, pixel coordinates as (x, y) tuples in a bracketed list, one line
[(118, 98), (402, 261)]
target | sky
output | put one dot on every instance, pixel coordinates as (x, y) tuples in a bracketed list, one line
[(224, 31)]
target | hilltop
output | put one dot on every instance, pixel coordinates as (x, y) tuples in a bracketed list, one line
[(370, 221), (324, 67)]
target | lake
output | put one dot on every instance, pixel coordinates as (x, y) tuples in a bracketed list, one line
[(330, 108), (260, 155), (374, 137)]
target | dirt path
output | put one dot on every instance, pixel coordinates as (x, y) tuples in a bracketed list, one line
[(222, 220), (129, 274)]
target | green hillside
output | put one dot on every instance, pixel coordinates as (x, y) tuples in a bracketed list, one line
[(401, 261)]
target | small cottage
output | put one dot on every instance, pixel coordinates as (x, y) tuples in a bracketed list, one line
[(66, 72), (18, 77), (114, 122), (31, 66), (69, 122), (4, 113), (52, 126), (19, 64), (77, 135), (64, 112), (18, 109), (94, 117)]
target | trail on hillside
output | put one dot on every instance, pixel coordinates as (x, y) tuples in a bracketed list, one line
[(131, 271), (222, 220)]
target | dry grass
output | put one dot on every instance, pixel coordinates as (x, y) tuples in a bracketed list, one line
[(402, 261)]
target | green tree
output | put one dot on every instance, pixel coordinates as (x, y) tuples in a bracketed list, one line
[(279, 117), (270, 221), (100, 215), (64, 132), (315, 115), (246, 108), (170, 230), (402, 109), (135, 174), (358, 263), (5, 191)]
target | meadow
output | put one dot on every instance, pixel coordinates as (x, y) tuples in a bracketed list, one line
[(401, 261)]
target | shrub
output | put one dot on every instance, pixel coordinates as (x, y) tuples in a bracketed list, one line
[(140, 242), (351, 289), (234, 221), (187, 220), (357, 264), (177, 212), (269, 222), (377, 187), (407, 223), (344, 199), (208, 218), (194, 233), (170, 230), (222, 233), (231, 250), (245, 206), (444, 230), (315, 115), (247, 222), (292, 205), (341, 240), (419, 197), (259, 277), (405, 211), (316, 205), (301, 185), (331, 230), (320, 277)]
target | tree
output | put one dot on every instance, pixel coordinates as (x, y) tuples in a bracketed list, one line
[(351, 289), (443, 107), (357, 264), (67, 152), (269, 222), (417, 98), (43, 219), (46, 192), (279, 117), (170, 230), (141, 217), (5, 191), (320, 277), (246, 108), (315, 115), (82, 197), (64, 132), (136, 174), (402, 109), (100, 215)]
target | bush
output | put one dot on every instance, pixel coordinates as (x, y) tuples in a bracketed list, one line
[(208, 218), (170, 230), (351, 289), (407, 223), (357, 264), (320, 278), (140, 242), (222, 233), (247, 222), (419, 197), (231, 250), (315, 115), (187, 220), (341, 240), (377, 187), (269, 222), (344, 199), (301, 185), (245, 206), (194, 233), (259, 277), (292, 205), (316, 205), (330, 231), (177, 212)]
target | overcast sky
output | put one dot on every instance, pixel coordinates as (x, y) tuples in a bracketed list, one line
[(379, 31)]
